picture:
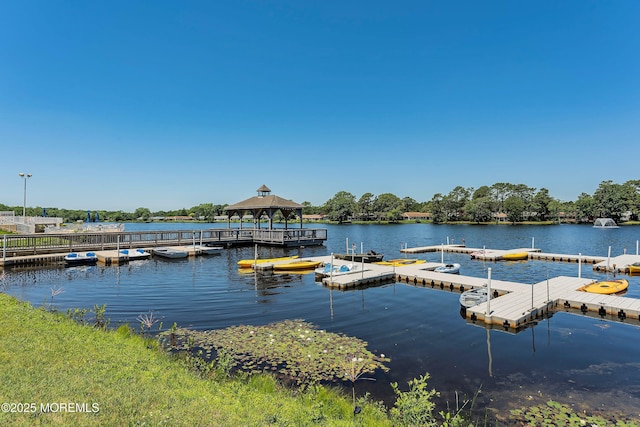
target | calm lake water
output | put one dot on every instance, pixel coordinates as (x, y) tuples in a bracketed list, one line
[(579, 360)]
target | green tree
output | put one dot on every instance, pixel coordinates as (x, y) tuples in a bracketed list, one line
[(142, 214), (542, 204), (514, 207), (478, 209), (341, 206), (365, 206), (385, 203), (612, 200)]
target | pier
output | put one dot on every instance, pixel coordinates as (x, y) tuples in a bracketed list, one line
[(512, 307), (617, 264), (39, 248)]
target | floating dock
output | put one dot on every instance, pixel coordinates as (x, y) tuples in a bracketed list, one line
[(513, 306)]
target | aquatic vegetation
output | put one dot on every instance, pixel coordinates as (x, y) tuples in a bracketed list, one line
[(293, 349), (556, 414)]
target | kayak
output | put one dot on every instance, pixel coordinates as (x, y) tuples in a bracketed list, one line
[(401, 262), (515, 256), (607, 287), (247, 263), (296, 265)]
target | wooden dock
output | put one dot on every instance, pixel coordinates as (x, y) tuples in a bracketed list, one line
[(30, 249)]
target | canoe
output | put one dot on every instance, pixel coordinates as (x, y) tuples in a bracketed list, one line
[(474, 297), (296, 265), (247, 263), (607, 287), (401, 262), (516, 256), (634, 268), (449, 268), (172, 253)]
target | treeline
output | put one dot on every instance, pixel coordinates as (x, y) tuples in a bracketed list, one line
[(505, 201), (510, 202)]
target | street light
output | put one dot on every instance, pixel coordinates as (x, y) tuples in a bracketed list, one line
[(24, 206)]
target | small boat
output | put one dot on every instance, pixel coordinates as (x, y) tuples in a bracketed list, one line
[(474, 297), (634, 268), (402, 262), (604, 223), (168, 252), (370, 256), (481, 254), (208, 250), (134, 254), (75, 258), (516, 256), (247, 263), (296, 265), (449, 268), (337, 270), (607, 287)]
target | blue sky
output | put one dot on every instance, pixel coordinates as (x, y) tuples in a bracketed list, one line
[(123, 104)]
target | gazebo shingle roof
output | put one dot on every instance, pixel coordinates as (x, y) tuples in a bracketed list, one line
[(264, 202)]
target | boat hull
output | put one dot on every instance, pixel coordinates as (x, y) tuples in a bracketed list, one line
[(449, 268), (248, 263), (366, 257), (516, 256), (170, 253), (296, 265), (401, 262), (74, 258)]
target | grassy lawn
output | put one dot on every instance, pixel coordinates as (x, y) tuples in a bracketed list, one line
[(119, 378)]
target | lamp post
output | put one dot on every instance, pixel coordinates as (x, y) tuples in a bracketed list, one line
[(25, 176)]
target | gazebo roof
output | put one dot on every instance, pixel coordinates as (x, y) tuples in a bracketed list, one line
[(264, 200)]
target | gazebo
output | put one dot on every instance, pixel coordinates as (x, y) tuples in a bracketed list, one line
[(267, 204)]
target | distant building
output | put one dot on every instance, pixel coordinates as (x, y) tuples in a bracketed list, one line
[(417, 216), (313, 217)]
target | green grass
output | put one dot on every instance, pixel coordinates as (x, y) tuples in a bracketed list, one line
[(46, 358)]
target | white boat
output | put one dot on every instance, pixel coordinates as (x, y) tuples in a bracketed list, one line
[(449, 268), (79, 258), (604, 223), (336, 270), (208, 250), (474, 297), (134, 254), (168, 252)]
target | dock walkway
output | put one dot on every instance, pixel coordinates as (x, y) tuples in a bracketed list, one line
[(513, 305)]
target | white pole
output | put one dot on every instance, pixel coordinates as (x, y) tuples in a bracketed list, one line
[(442, 254), (489, 291), (362, 247), (362, 267), (533, 245), (447, 240), (636, 247), (580, 265), (347, 245), (255, 256), (608, 257), (331, 270)]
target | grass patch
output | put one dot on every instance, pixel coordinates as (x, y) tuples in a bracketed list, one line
[(50, 359)]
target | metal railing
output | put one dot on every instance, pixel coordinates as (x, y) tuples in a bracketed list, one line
[(41, 243)]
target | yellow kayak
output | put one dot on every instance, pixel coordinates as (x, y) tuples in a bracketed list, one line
[(401, 261), (607, 287), (296, 265), (517, 256), (634, 268), (247, 263)]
